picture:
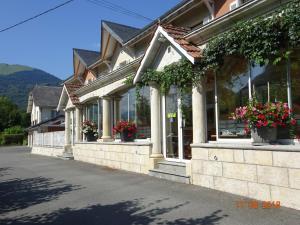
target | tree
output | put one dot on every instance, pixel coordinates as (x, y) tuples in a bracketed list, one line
[(11, 115)]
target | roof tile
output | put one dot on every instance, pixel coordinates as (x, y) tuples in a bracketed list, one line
[(178, 33)]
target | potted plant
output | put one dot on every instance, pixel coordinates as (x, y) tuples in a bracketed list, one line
[(126, 129), (89, 129), (264, 119)]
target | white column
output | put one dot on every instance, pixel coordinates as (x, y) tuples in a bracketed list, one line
[(67, 128), (106, 107), (199, 113), (78, 116), (155, 121)]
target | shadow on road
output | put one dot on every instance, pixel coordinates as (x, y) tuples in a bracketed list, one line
[(16, 194), (122, 213)]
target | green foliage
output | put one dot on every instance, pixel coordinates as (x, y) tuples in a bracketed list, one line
[(11, 139), (1, 138), (11, 115), (14, 130), (265, 39)]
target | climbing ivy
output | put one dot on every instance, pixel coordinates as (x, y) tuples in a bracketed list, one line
[(262, 40)]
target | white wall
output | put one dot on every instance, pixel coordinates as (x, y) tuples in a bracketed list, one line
[(120, 55), (166, 56)]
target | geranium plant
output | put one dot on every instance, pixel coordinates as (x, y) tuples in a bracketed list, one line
[(126, 129), (258, 115)]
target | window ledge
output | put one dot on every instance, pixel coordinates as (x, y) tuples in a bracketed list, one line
[(139, 143), (248, 146)]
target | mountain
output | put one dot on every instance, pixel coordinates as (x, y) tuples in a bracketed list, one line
[(16, 81)]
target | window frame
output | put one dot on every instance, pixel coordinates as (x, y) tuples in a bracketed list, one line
[(249, 140)]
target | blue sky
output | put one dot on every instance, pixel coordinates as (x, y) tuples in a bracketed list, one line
[(46, 43)]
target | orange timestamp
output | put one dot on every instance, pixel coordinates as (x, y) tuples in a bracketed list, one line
[(254, 204)]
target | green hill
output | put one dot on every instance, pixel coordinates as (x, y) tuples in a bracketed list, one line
[(16, 81)]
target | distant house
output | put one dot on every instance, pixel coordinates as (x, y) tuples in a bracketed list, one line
[(47, 124), (42, 103)]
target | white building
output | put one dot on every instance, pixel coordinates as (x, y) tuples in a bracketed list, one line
[(196, 143)]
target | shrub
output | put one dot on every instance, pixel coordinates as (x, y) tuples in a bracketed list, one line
[(1, 139), (14, 130), (10, 139)]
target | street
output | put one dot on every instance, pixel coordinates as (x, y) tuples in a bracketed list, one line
[(43, 190)]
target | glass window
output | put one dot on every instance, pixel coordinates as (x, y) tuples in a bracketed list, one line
[(187, 124), (92, 112), (269, 82), (295, 87), (137, 110), (233, 92), (210, 108)]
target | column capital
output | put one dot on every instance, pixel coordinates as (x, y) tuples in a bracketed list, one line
[(117, 97), (153, 84), (106, 97)]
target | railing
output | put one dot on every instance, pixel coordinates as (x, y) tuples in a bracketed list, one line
[(49, 139)]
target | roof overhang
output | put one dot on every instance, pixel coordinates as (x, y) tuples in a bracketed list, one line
[(248, 10), (155, 42), (110, 77), (30, 103), (63, 100)]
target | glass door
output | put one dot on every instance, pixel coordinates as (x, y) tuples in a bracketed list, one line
[(177, 125), (171, 124)]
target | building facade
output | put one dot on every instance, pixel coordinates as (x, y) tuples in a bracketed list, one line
[(188, 138)]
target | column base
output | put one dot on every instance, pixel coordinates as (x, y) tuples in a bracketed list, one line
[(105, 139), (154, 159), (67, 148)]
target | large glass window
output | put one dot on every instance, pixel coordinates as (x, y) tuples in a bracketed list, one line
[(269, 83), (137, 110), (92, 112), (232, 88), (295, 88), (210, 108)]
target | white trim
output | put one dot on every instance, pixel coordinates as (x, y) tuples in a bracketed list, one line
[(237, 3), (164, 126), (233, 140), (159, 31), (211, 8), (180, 131)]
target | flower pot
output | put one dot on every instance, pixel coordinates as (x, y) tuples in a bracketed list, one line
[(90, 137), (264, 135), (126, 136)]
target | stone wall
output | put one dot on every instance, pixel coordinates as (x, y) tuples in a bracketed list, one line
[(47, 151), (266, 173), (132, 157)]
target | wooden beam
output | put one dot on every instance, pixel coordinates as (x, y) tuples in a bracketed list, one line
[(107, 43)]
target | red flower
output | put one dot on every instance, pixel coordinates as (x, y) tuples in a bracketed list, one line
[(293, 122)]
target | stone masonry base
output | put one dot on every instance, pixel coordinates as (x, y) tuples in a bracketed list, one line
[(132, 157), (262, 174), (47, 151)]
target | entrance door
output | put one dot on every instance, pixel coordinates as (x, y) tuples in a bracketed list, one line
[(177, 126)]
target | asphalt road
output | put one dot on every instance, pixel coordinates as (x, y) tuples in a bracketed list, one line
[(43, 190)]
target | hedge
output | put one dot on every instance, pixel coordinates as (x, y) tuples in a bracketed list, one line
[(10, 139)]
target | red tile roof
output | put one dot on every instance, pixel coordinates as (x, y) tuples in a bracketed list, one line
[(178, 33), (71, 88)]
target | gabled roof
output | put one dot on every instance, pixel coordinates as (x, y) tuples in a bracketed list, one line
[(86, 56), (120, 32), (178, 33), (175, 35), (44, 96), (71, 88)]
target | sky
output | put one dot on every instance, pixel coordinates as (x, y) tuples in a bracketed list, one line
[(46, 43)]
